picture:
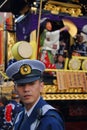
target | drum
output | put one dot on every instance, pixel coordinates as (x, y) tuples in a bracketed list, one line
[(84, 65), (22, 50), (74, 64)]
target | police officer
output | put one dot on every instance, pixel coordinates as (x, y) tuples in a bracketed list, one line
[(37, 113)]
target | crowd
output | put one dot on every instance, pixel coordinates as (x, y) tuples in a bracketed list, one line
[(56, 43)]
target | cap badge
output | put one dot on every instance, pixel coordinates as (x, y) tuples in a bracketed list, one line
[(25, 69)]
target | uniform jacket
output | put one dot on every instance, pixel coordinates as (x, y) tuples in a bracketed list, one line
[(40, 119)]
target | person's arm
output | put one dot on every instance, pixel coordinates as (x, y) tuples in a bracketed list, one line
[(64, 28)]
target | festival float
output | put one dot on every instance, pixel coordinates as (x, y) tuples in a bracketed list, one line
[(23, 36)]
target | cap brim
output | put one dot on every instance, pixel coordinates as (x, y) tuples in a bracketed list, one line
[(27, 80)]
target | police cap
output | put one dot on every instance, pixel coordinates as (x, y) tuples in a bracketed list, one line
[(25, 71)]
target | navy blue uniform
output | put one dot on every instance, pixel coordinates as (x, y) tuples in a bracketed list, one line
[(81, 48), (1, 116), (43, 117)]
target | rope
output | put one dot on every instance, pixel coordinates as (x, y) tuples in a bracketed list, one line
[(38, 29), (3, 3)]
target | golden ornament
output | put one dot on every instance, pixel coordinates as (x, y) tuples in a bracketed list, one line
[(25, 69)]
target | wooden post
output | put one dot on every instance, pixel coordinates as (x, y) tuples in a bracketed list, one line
[(5, 47)]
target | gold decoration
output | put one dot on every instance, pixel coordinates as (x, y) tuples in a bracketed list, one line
[(11, 42), (62, 7), (72, 27), (84, 65), (74, 64), (25, 69), (64, 96)]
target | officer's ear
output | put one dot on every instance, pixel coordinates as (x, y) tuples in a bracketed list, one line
[(41, 85)]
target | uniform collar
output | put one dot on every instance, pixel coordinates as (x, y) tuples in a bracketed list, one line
[(30, 111)]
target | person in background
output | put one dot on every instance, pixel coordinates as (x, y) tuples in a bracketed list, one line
[(80, 45), (3, 102), (50, 42), (37, 114), (59, 62), (76, 53), (11, 109)]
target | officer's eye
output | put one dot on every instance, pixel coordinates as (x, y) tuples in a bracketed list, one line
[(24, 84)]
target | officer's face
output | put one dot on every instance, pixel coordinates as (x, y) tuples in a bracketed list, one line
[(30, 92)]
